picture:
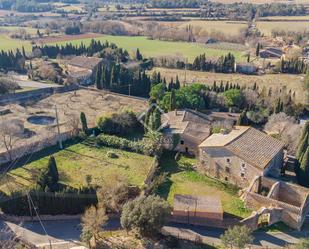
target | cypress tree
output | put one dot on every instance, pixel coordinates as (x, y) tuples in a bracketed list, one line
[(257, 52), (242, 120), (177, 83), (304, 168), (98, 79), (83, 120), (172, 100)]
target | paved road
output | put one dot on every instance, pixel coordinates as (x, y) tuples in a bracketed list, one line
[(61, 234), (23, 81), (261, 239)]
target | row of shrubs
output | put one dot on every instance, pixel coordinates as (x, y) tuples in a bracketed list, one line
[(70, 201), (143, 146)]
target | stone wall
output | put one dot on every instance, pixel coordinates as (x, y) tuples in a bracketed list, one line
[(23, 97), (33, 147), (222, 164)]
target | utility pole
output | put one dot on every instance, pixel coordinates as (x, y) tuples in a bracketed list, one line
[(58, 128), (129, 89), (186, 62), (29, 204)]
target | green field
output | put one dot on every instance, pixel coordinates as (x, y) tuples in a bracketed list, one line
[(182, 179), (7, 43), (156, 48), (77, 161)]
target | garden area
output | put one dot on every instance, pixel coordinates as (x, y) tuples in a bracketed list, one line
[(79, 162), (182, 179)]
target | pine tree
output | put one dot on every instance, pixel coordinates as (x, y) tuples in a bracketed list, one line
[(83, 120)]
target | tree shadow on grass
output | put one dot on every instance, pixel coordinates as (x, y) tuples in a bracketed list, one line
[(169, 166)]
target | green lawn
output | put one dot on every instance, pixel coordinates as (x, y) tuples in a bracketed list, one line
[(182, 179), (77, 161), (156, 48)]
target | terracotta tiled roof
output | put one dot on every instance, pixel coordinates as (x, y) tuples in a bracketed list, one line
[(256, 147), (85, 62), (191, 123), (210, 204), (251, 145)]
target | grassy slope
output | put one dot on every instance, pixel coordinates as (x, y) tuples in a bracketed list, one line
[(155, 48), (79, 160), (183, 180)]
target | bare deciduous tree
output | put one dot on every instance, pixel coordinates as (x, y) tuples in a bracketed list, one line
[(279, 123), (92, 222), (10, 132)]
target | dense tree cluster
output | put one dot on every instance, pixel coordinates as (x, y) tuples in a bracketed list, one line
[(52, 51), (12, 61), (246, 10), (118, 78), (176, 3), (72, 30), (118, 123), (225, 64), (293, 66)]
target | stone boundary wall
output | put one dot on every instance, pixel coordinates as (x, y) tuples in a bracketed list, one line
[(33, 147), (23, 97), (18, 219)]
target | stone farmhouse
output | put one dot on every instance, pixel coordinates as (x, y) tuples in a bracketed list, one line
[(241, 155), (82, 69), (192, 127), (245, 157)]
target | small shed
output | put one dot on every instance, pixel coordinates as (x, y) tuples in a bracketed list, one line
[(197, 210)]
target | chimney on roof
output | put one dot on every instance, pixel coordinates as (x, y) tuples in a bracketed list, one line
[(223, 131)]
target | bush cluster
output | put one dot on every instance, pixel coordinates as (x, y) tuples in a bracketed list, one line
[(141, 147)]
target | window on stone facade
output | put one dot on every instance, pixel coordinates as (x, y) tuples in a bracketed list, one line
[(242, 175), (243, 165), (226, 179), (182, 142), (227, 169), (228, 160)]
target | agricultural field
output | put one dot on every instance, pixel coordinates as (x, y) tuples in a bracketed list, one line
[(290, 81), (156, 48), (7, 43), (182, 179), (267, 27), (226, 27), (81, 159)]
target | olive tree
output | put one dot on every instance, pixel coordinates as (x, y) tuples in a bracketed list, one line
[(237, 237), (145, 214)]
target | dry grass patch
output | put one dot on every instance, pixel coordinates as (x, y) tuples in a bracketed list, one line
[(280, 81)]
